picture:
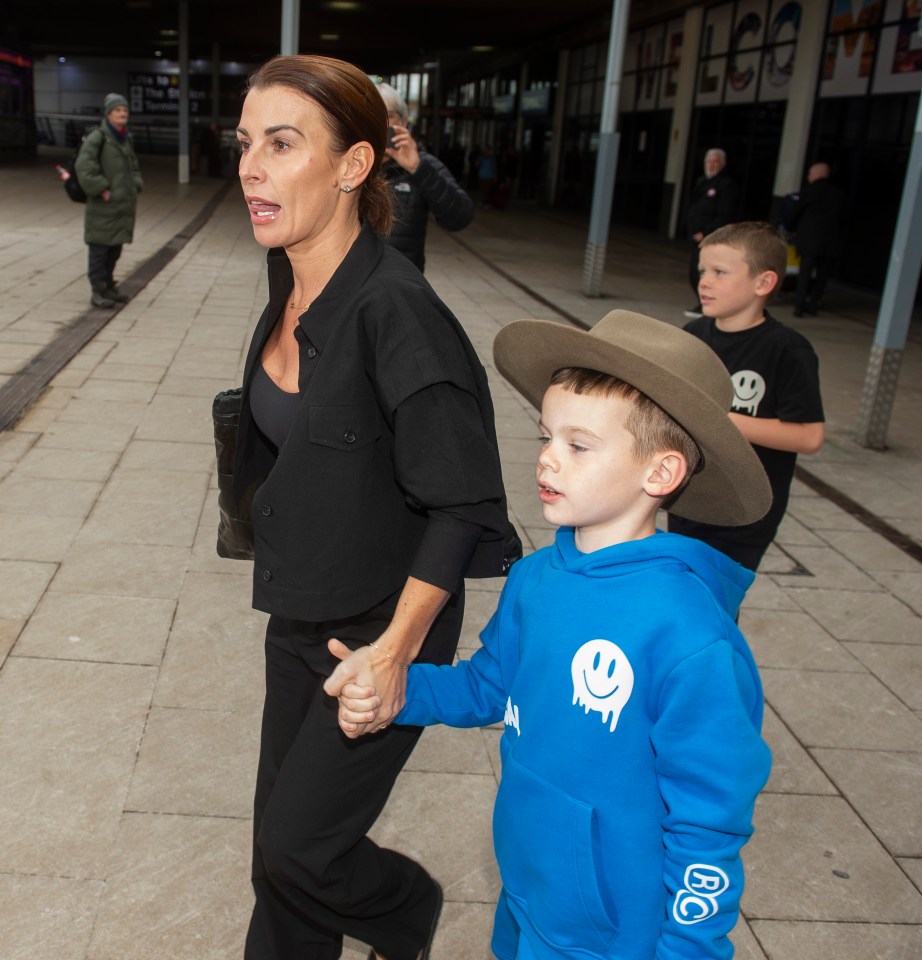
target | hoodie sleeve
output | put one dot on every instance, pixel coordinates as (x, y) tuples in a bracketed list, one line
[(472, 693), (711, 763)]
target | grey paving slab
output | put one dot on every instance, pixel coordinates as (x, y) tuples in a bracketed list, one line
[(867, 616), (104, 629), (905, 586), (128, 570), (214, 659), (746, 947), (197, 762), (826, 709), (893, 812), (103, 435), (47, 916), (444, 821), (70, 731), (22, 583), (793, 768), (793, 640), (35, 537), (49, 463), (812, 858), (912, 866), (444, 750), (178, 887), (897, 665), (836, 941)]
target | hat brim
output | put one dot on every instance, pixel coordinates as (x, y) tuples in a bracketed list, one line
[(730, 488)]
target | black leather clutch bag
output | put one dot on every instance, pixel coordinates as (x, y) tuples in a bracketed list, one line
[(235, 527)]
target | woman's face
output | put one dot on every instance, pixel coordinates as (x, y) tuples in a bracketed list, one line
[(118, 117), (291, 180)]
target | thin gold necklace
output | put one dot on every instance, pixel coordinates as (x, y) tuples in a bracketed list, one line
[(294, 306)]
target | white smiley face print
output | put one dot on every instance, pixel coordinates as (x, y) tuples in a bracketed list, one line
[(603, 679), (748, 390)]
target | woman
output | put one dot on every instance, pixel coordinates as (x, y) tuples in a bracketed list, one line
[(367, 434), (107, 169), (421, 184)]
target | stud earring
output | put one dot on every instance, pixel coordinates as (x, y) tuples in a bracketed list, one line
[(346, 188)]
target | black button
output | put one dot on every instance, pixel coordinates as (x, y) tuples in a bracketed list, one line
[(349, 436), (267, 575), (266, 510), (311, 352)]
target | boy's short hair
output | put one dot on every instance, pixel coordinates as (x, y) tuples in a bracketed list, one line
[(647, 422), (761, 244)]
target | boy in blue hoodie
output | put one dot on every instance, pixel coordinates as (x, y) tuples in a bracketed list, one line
[(632, 754)]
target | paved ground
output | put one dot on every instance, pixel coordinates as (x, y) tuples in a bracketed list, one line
[(131, 660)]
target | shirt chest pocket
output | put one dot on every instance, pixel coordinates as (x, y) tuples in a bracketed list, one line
[(345, 427)]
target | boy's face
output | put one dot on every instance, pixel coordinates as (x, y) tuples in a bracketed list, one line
[(588, 476), (726, 286)]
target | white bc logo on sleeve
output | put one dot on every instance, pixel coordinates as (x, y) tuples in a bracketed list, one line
[(602, 679), (697, 900)]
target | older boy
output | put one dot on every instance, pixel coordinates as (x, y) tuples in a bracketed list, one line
[(776, 402), (632, 706)]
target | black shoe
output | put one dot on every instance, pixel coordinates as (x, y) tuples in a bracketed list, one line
[(427, 946), (811, 311), (798, 312), (114, 294), (100, 299)]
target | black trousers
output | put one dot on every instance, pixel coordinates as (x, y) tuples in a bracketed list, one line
[(101, 264), (811, 281), (316, 875)]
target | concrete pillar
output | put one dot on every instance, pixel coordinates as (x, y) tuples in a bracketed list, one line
[(557, 122), (895, 306), (183, 91), (291, 26), (798, 116), (686, 84), (607, 156)]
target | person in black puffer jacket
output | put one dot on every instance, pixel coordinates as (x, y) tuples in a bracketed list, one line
[(421, 184)]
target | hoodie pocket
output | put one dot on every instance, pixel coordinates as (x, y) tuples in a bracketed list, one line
[(546, 843)]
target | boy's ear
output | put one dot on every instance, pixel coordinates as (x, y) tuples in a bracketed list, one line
[(766, 282), (667, 473)]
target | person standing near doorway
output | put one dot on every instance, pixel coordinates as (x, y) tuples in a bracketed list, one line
[(108, 170), (818, 220), (714, 202)]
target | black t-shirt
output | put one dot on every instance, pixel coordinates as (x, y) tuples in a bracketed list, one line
[(775, 375)]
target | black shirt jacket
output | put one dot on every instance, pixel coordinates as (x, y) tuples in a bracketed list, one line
[(391, 467)]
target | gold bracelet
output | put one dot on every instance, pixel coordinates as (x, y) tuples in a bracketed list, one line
[(405, 666)]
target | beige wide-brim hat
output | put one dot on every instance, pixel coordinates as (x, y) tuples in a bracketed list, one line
[(674, 369)]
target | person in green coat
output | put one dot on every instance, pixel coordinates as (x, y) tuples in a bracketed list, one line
[(110, 175)]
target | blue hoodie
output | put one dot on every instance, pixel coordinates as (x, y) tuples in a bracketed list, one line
[(631, 754)]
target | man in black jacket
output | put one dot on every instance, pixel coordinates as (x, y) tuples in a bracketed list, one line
[(818, 219), (421, 183), (714, 203)]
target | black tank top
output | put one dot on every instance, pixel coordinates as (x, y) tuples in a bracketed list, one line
[(272, 407)]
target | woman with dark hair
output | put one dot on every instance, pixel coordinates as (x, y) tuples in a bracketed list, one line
[(367, 435)]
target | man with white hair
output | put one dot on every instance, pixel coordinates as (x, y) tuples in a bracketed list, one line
[(714, 202), (421, 184)]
